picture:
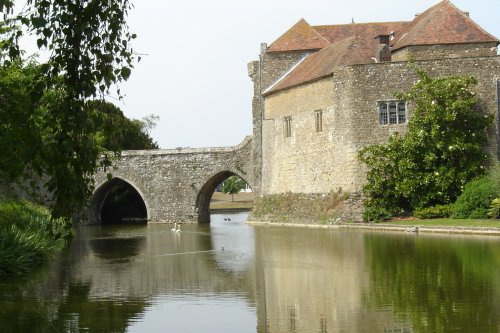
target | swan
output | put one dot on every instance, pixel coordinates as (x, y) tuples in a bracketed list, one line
[(174, 228), (415, 229), (178, 229)]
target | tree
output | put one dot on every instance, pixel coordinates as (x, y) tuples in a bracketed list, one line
[(149, 122), (441, 151), (90, 51), (127, 134), (233, 185)]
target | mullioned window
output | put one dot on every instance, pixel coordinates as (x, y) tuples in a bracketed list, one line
[(392, 112)]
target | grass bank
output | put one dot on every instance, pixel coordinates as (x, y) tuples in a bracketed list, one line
[(445, 222), (305, 208), (28, 235), (222, 201)]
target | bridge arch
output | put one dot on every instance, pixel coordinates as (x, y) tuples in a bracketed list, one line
[(118, 201), (207, 190)]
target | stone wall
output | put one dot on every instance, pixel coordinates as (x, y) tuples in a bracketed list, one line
[(307, 161), (264, 72), (177, 184), (368, 84), (429, 52), (311, 162)]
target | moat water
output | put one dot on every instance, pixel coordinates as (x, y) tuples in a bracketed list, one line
[(233, 277)]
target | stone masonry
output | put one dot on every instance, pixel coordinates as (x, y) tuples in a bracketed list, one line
[(343, 73), (176, 185)]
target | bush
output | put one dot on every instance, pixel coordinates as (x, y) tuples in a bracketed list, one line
[(376, 214), (440, 152), (28, 234), (494, 211), (476, 199), (434, 212)]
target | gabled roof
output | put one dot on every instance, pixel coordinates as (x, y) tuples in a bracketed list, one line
[(367, 31), (350, 51), (442, 24), (299, 37)]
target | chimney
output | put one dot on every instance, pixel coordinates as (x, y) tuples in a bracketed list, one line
[(383, 39), (383, 53), (263, 48)]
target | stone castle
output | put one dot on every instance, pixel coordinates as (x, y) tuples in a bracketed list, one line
[(323, 92)]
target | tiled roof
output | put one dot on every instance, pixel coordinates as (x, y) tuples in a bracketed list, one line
[(367, 31), (350, 51), (441, 24), (299, 37), (355, 43)]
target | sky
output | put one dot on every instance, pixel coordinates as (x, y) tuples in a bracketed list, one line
[(193, 72)]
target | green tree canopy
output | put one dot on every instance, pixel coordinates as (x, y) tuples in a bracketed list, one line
[(45, 122), (441, 151), (127, 134), (232, 185)]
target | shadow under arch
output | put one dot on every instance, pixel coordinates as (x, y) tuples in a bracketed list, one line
[(118, 201), (206, 192)]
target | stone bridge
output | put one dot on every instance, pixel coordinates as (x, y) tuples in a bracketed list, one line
[(173, 185)]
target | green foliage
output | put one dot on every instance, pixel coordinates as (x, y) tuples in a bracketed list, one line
[(494, 210), (434, 212), (376, 214), (89, 43), (117, 132), (28, 234), (476, 199), (46, 127), (232, 185), (439, 154)]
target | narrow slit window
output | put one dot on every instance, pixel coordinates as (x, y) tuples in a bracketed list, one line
[(287, 126), (318, 115)]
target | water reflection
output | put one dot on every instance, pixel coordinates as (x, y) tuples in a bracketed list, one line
[(313, 281), (234, 242), (437, 284), (232, 277)]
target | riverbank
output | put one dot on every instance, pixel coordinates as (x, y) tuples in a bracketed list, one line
[(222, 202), (399, 226), (28, 235)]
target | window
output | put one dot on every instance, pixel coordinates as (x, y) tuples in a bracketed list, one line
[(383, 113), (318, 116), (288, 127), (393, 119), (401, 113), (392, 112)]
